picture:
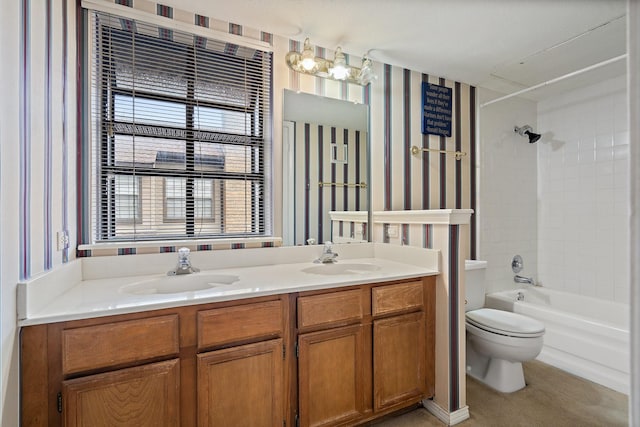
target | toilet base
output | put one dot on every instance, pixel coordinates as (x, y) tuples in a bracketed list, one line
[(499, 374), (503, 376)]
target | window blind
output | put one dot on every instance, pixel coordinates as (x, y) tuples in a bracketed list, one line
[(180, 134)]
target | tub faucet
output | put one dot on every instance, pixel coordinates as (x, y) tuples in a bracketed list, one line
[(521, 279), (184, 263), (328, 256)]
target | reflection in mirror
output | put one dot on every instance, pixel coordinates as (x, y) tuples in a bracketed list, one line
[(325, 151)]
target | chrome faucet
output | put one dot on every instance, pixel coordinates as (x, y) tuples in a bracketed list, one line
[(521, 279), (328, 256), (184, 263)]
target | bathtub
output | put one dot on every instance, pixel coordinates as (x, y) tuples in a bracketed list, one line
[(585, 336)]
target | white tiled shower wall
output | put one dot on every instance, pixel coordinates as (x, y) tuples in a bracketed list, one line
[(507, 202), (583, 181)]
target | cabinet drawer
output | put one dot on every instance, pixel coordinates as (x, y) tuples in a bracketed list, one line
[(336, 307), (397, 298), (117, 343), (239, 323)]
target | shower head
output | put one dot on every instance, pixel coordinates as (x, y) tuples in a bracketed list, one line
[(526, 130)]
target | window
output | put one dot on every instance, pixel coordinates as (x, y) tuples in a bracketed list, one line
[(180, 134), (175, 199), (127, 198)]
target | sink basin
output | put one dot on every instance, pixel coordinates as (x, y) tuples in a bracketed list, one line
[(179, 284), (341, 268)]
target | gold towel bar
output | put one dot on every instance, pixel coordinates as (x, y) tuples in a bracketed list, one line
[(342, 184), (416, 151)]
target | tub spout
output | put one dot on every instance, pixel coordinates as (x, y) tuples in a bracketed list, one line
[(521, 279)]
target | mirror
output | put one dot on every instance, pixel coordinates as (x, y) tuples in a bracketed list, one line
[(325, 170)]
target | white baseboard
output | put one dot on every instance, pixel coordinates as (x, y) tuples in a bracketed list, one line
[(449, 418)]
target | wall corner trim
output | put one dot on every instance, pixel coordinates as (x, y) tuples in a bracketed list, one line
[(449, 418)]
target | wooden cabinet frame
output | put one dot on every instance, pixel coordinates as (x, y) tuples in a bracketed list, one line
[(46, 364)]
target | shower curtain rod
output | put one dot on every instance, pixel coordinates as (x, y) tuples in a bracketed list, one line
[(557, 79)]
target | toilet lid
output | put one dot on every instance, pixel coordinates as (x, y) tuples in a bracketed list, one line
[(505, 322)]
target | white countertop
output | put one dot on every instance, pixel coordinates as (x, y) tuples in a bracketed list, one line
[(89, 287)]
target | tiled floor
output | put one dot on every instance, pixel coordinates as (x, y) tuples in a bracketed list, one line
[(552, 398)]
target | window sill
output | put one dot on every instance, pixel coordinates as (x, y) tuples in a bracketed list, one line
[(247, 241)]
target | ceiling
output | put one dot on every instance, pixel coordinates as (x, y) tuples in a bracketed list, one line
[(503, 45)]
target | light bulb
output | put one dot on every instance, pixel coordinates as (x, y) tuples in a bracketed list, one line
[(340, 70), (308, 61)]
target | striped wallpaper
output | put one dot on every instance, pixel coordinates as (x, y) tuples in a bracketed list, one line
[(429, 180), (44, 164), (315, 145), (399, 180)]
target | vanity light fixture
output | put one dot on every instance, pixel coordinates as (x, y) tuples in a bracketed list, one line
[(338, 69)]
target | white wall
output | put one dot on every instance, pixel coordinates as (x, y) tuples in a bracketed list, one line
[(9, 155), (583, 181), (633, 99), (507, 189)]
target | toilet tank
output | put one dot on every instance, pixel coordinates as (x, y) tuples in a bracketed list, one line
[(475, 286)]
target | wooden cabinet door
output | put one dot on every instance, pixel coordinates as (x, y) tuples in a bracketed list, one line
[(331, 376), (399, 357), (147, 395), (242, 386)]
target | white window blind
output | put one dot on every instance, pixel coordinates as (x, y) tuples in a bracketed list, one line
[(180, 134)]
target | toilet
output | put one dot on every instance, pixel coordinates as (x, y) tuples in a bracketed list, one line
[(497, 341)]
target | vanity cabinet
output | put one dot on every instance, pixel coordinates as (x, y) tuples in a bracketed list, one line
[(341, 356), (332, 360), (215, 364), (364, 353), (399, 344), (241, 384)]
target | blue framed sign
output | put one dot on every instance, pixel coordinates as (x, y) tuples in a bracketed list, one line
[(436, 109)]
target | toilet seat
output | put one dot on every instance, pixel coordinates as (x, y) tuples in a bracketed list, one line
[(505, 323)]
